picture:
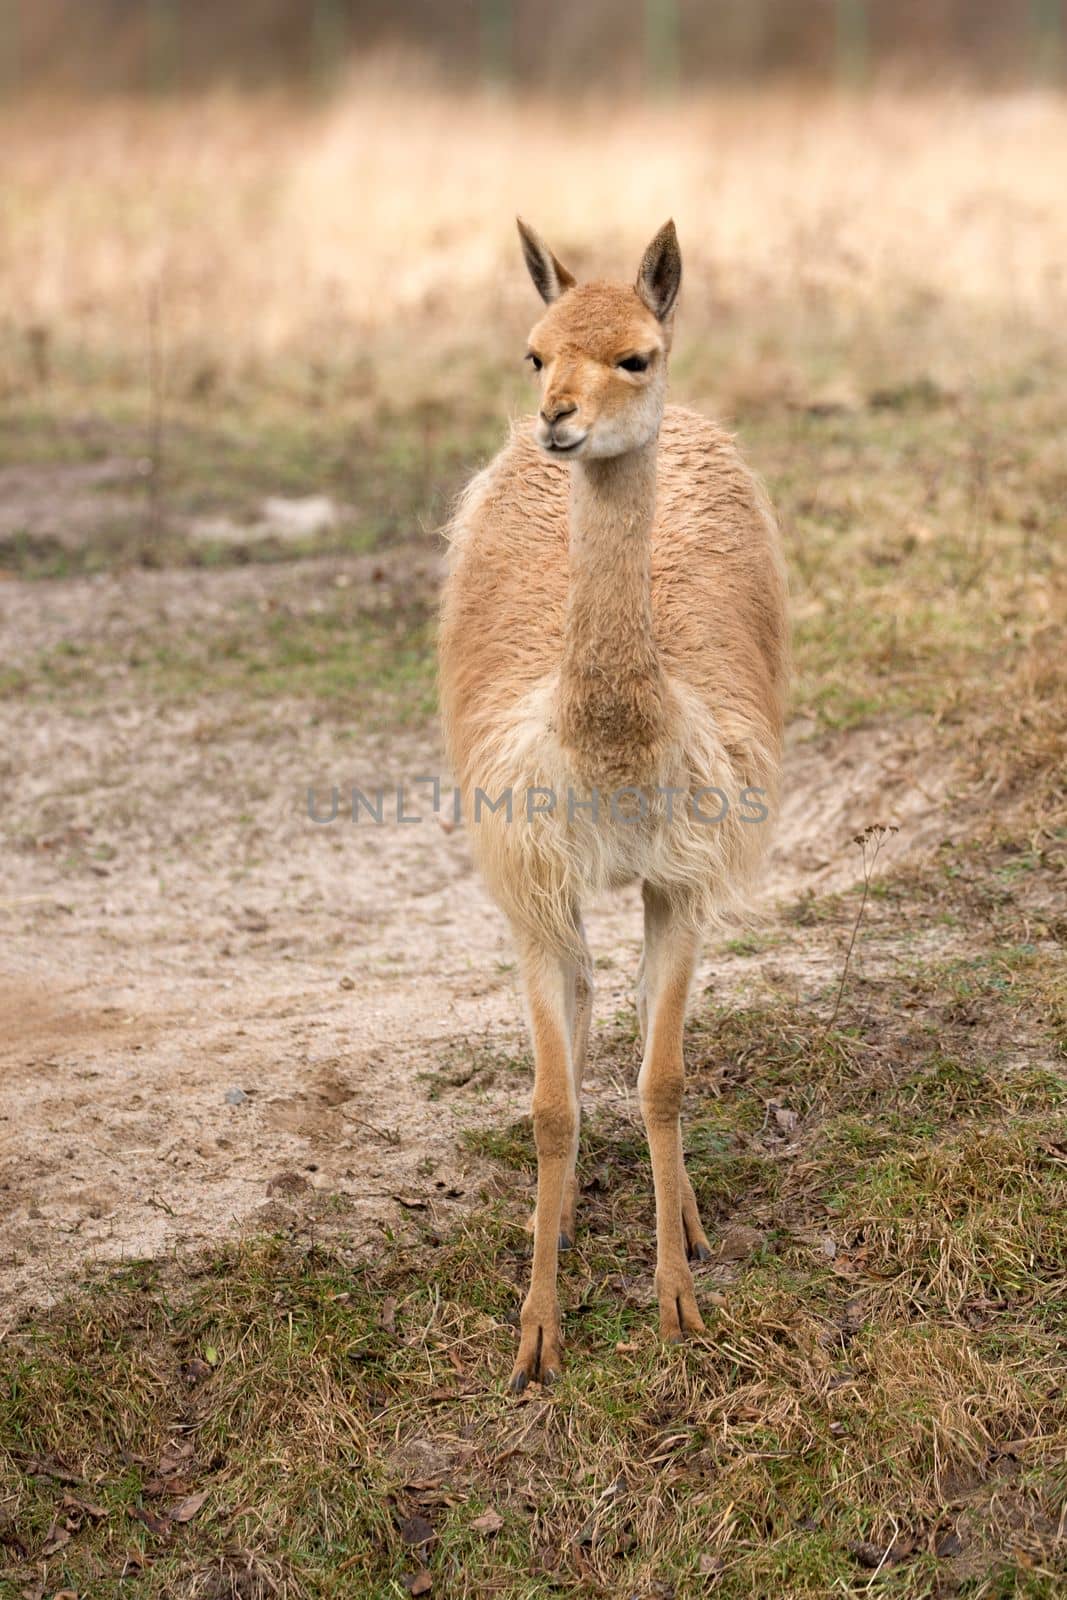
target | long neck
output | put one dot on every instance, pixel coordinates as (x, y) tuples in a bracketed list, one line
[(612, 686)]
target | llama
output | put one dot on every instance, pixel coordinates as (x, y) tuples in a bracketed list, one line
[(613, 657)]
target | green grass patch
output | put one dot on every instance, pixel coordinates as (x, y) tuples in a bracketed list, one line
[(374, 667), (390, 474)]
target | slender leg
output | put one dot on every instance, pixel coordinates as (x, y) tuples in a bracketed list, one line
[(581, 1015), (583, 1011), (551, 992), (696, 1240), (670, 955)]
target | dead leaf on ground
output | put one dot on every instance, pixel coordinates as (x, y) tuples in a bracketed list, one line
[(738, 1242), (785, 1119), (416, 1530), (152, 1488), (389, 1313), (851, 1264), (56, 1537), (420, 1583), (84, 1508), (174, 1457), (489, 1522), (154, 1524), (186, 1510)]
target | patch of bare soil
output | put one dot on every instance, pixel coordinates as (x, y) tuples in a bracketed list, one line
[(218, 1015), (67, 502)]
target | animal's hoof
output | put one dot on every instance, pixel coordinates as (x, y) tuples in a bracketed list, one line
[(699, 1250), (566, 1242), (678, 1313), (539, 1359), (542, 1373)]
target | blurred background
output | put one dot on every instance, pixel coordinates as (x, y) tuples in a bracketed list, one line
[(311, 204), (108, 45)]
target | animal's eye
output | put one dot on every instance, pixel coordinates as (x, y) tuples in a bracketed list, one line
[(633, 364), (535, 361)]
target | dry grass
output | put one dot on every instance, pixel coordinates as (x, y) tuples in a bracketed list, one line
[(877, 1406), (879, 1389), (350, 234)]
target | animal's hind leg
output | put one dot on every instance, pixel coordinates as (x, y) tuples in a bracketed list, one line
[(641, 1000), (696, 1240), (697, 1247), (583, 1011)]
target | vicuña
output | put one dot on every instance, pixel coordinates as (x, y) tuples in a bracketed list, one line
[(614, 620)]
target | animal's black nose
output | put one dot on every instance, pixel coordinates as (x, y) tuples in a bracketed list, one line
[(556, 413)]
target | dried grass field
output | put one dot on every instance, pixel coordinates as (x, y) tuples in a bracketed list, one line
[(265, 1161)]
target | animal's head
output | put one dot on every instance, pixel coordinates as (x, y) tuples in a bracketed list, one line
[(600, 350)]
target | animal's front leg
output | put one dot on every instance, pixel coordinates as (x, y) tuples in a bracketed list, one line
[(549, 981), (579, 989), (669, 959)]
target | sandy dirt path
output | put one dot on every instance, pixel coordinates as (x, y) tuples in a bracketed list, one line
[(216, 1015)]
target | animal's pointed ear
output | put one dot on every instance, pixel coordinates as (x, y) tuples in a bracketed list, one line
[(549, 275), (660, 275)]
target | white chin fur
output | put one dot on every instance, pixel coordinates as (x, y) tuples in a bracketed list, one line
[(609, 440), (606, 438)]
